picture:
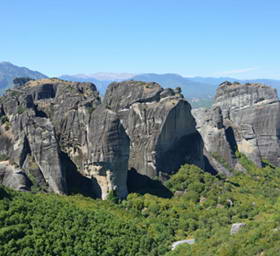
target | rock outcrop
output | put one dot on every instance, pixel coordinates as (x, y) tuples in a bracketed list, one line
[(13, 177), (244, 118), (64, 139)]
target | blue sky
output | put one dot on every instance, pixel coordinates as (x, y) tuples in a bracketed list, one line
[(190, 37)]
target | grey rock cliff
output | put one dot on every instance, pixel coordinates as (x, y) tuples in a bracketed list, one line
[(109, 152), (159, 124), (33, 118), (244, 117), (65, 140)]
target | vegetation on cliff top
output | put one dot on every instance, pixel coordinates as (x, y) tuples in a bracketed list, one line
[(204, 207)]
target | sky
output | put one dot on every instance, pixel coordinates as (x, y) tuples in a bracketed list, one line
[(236, 38)]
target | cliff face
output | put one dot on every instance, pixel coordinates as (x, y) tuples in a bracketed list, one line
[(43, 119), (60, 137), (244, 117), (159, 124)]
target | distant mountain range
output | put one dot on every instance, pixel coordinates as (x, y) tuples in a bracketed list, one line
[(8, 72), (216, 81), (189, 87), (108, 76), (198, 90)]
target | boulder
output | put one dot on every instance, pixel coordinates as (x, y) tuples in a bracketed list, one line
[(188, 241), (13, 177), (236, 227)]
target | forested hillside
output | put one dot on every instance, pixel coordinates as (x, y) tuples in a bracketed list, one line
[(203, 207)]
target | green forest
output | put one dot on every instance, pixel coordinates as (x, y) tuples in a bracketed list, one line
[(203, 207)]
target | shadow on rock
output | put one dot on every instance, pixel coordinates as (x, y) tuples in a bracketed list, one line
[(209, 167), (76, 182), (142, 184)]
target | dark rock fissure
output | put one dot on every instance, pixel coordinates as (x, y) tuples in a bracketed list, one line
[(230, 137), (208, 167), (39, 112), (2, 112), (25, 151)]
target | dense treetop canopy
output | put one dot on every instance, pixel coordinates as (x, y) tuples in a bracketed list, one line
[(203, 207)]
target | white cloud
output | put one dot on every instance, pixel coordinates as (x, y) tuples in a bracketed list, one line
[(236, 71)]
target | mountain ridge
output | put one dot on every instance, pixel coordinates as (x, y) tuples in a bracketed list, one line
[(173, 80), (198, 90), (9, 71)]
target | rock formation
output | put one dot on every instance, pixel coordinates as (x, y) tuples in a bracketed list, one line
[(244, 118), (159, 124), (34, 117), (59, 136)]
